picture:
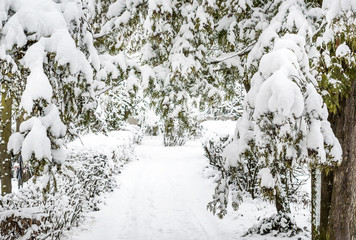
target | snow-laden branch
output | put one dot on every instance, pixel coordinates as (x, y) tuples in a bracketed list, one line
[(228, 56)]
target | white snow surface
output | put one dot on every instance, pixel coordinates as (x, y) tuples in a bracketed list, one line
[(15, 142), (36, 142), (214, 128), (163, 196), (101, 143), (342, 50), (267, 179)]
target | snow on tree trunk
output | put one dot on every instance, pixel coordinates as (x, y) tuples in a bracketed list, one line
[(282, 193), (5, 157), (315, 201)]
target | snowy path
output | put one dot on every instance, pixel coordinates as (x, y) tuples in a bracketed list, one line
[(163, 196)]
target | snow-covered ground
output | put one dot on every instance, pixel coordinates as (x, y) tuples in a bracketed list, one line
[(163, 196)]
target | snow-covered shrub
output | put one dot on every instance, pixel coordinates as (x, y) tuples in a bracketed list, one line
[(234, 180), (88, 172), (217, 144), (213, 149), (136, 131), (174, 133), (230, 107), (152, 123), (277, 224), (153, 130), (178, 130), (302, 200)]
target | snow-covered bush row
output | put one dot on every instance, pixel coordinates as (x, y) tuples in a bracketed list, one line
[(176, 132), (89, 172)]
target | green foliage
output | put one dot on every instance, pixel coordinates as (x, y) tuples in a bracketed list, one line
[(337, 71)]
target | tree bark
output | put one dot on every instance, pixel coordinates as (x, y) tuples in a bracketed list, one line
[(19, 120), (5, 158), (315, 202), (282, 203), (327, 178), (282, 193), (342, 219)]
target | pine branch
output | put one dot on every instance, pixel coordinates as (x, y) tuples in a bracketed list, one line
[(237, 54)]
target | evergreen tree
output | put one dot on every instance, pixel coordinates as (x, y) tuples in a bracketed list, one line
[(284, 123), (117, 106), (171, 38), (59, 81)]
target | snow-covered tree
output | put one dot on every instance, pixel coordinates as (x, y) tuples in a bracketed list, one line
[(170, 41), (117, 106), (284, 124), (59, 83), (289, 118)]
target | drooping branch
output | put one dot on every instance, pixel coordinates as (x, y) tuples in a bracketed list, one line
[(241, 53)]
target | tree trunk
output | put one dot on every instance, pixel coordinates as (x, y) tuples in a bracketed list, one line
[(19, 120), (342, 220), (5, 158), (282, 203), (282, 193), (327, 178), (315, 202)]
